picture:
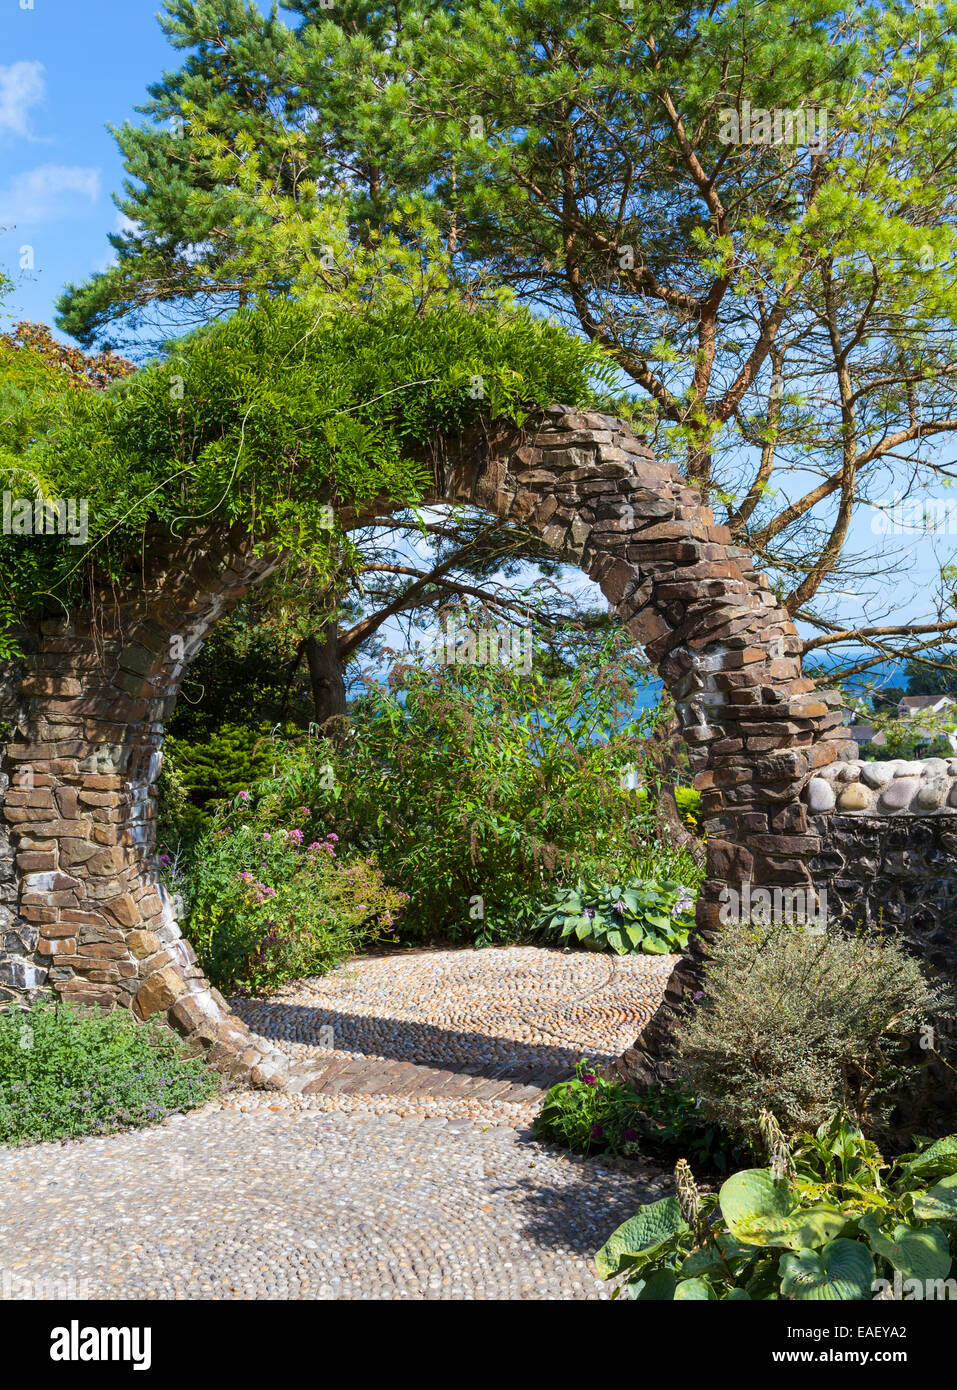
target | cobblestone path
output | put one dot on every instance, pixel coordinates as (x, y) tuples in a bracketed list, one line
[(398, 1175)]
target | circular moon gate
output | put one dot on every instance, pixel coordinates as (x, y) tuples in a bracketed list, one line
[(82, 911)]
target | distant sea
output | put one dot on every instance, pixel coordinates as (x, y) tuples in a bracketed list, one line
[(648, 693)]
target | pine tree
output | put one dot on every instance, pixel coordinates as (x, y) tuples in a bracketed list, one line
[(752, 208), (250, 86)]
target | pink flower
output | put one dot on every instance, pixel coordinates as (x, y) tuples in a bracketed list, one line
[(266, 835), (296, 836), (316, 844), (244, 796), (333, 837)]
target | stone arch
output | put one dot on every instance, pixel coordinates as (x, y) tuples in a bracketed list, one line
[(81, 909)]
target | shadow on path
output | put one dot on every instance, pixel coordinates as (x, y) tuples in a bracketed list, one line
[(426, 1044), (581, 1214)]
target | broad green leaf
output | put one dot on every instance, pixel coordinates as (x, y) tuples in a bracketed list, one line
[(939, 1161), (751, 1194), (799, 1230), (641, 1235), (693, 1290), (938, 1203), (843, 1270), (654, 946), (659, 1287), (921, 1252)]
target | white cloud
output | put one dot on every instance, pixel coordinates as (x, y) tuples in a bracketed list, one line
[(47, 193), (21, 87)]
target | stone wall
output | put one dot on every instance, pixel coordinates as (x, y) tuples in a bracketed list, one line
[(888, 832), (888, 861), (20, 976), (95, 688)]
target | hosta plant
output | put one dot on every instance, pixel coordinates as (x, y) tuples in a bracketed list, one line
[(642, 915), (832, 1220)]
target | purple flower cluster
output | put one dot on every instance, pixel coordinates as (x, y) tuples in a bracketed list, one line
[(262, 890)]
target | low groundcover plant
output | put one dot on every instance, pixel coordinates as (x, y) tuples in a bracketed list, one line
[(591, 1114), (66, 1072), (641, 915)]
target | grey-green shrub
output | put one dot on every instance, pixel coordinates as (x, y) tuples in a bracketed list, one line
[(802, 1025)]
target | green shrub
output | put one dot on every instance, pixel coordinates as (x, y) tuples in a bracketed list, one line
[(66, 1072), (483, 790), (830, 1221), (345, 420), (688, 801), (179, 822), (271, 901), (221, 764), (802, 1025), (636, 917), (592, 1114)]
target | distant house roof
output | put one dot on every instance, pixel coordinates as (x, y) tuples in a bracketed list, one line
[(912, 703), (865, 733)]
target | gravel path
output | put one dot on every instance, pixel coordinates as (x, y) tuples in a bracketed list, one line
[(426, 1190)]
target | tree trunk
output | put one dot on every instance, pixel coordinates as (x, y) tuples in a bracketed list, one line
[(326, 677)]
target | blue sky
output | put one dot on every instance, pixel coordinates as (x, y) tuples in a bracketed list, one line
[(67, 67)]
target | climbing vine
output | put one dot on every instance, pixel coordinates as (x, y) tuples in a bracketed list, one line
[(275, 420)]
